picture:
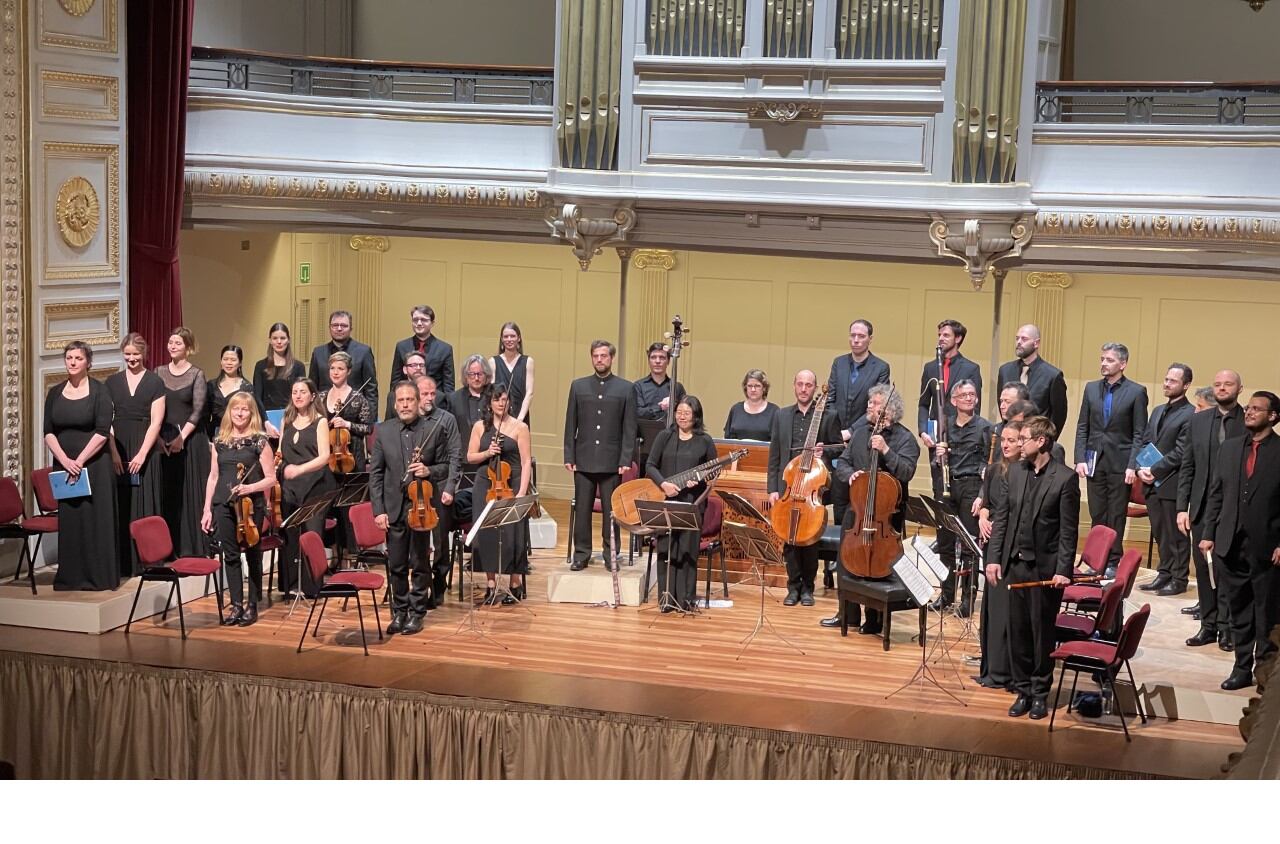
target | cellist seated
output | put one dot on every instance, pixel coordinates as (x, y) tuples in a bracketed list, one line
[(897, 452)]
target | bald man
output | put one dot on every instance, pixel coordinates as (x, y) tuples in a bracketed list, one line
[(787, 439), (1199, 443), (1045, 382)]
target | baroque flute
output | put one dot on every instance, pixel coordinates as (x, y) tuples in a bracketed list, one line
[(1093, 578)]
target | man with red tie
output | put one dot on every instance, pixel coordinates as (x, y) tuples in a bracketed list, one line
[(955, 367)]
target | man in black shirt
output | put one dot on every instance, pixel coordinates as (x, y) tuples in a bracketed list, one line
[(955, 368), (1033, 537), (436, 353), (1045, 383), (653, 392), (967, 449), (851, 379), (1160, 480), (412, 367), (363, 375)]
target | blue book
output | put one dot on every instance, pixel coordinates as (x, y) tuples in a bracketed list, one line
[(1149, 456), (276, 418), (64, 487)]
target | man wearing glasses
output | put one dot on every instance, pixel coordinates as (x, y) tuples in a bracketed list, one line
[(413, 366), (1033, 538), (437, 355), (364, 374)]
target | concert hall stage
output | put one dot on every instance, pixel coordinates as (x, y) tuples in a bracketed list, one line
[(562, 690)]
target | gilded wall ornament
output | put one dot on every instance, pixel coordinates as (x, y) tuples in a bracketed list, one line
[(76, 8), (77, 211)]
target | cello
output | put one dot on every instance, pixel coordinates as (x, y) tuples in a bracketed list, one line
[(871, 546), (799, 516)]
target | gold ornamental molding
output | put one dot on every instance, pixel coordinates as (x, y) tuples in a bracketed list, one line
[(57, 376), (70, 32), (13, 234), (1059, 281), (105, 88), (1170, 227), (108, 155), (213, 183), (654, 259), (77, 211), (369, 243), (105, 313), (784, 112)]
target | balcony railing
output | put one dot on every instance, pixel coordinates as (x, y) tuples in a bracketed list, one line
[(1159, 103), (358, 79)]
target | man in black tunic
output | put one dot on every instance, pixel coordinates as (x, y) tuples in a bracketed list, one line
[(955, 368), (599, 445), (1045, 383), (653, 392)]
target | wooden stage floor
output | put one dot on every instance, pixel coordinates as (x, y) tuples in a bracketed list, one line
[(691, 669)]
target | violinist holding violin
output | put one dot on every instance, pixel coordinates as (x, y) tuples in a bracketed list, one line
[(441, 453), (499, 449), (897, 453), (349, 413), (304, 475), (242, 469)]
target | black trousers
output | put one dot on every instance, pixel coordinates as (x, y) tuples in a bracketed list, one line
[(1252, 584), (963, 492), (993, 635), (1108, 504), (1175, 550), (586, 487), (224, 531), (1214, 612), (289, 564), (407, 551), (802, 567), (1032, 613), (839, 499)]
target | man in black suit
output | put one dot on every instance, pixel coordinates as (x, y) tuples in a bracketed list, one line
[(436, 353), (364, 373), (412, 367), (898, 455), (968, 446), (442, 455), (955, 367), (1045, 383), (599, 444), (789, 433), (1244, 503), (1165, 432), (1033, 537), (464, 403), (851, 379), (389, 470), (1113, 415), (1203, 437)]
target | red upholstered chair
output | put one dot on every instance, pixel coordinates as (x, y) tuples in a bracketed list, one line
[(633, 472), (13, 517), (709, 542), (43, 489), (1088, 594), (155, 552), (348, 583), (45, 522), (1137, 509), (1083, 625), (1097, 547), (1103, 660), (369, 538)]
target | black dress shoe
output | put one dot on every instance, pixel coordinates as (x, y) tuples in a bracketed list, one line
[(1020, 707), (1194, 609), (1225, 643), (939, 604), (834, 621), (1238, 680), (1203, 637), (397, 623), (1170, 589), (965, 609), (793, 598), (1109, 573), (828, 580), (577, 565), (413, 624), (806, 599), (509, 600), (1159, 583), (1039, 708), (250, 616), (233, 615), (869, 629)]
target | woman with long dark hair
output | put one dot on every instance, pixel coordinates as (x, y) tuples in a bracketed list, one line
[(499, 439), (993, 636), (513, 369), (304, 448), (138, 397), (273, 376), (230, 381)]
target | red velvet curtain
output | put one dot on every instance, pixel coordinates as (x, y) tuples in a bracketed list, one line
[(159, 37)]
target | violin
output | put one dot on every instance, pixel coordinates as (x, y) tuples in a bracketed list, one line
[(341, 460), (422, 515), (799, 516), (871, 546), (247, 533), (499, 474), (275, 497)]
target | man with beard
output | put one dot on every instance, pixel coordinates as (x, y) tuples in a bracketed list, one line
[(1045, 382), (1165, 432)]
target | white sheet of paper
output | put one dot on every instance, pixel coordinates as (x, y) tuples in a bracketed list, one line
[(912, 578), (931, 559), (479, 520)]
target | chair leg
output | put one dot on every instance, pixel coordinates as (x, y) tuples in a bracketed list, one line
[(134, 608), (217, 581), (1057, 698), (360, 614), (888, 619), (182, 620), (1074, 680), (271, 572), (709, 563), (320, 617), (303, 637), (164, 616), (724, 573), (1137, 699), (31, 563), (377, 619), (1119, 709), (459, 548)]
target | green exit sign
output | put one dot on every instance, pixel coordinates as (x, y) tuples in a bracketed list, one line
[(304, 273)]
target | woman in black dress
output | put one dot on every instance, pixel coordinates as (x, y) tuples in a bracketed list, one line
[(304, 448), (77, 422), (751, 419), (993, 635), (487, 450), (273, 376), (346, 407), (674, 450), (138, 396), (241, 464), (513, 369), (230, 381), (184, 445)]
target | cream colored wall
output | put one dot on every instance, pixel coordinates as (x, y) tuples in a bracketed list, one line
[(779, 314)]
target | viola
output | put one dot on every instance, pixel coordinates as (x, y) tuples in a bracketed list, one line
[(499, 474), (871, 546), (422, 515), (341, 460), (247, 533), (799, 516)]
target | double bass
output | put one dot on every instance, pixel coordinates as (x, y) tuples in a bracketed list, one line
[(871, 546), (799, 516)]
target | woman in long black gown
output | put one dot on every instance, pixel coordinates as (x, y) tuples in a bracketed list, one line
[(273, 376), (674, 450), (138, 396), (993, 635), (229, 381), (184, 444), (512, 449), (304, 445), (513, 369), (77, 422)]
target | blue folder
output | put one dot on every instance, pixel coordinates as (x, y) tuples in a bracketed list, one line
[(64, 488), (276, 418)]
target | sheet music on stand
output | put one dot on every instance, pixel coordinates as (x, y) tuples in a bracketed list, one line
[(668, 517), (497, 514), (921, 591), (965, 544), (738, 509), (916, 583)]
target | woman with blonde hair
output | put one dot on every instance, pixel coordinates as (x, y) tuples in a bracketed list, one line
[(138, 396)]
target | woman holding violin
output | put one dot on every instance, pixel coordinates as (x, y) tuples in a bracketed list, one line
[(499, 448), (676, 449), (304, 475), (350, 417), (243, 467)]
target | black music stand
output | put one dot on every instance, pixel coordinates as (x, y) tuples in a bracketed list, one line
[(916, 583), (930, 512), (668, 517), (496, 515), (965, 543), (742, 508), (759, 545), (304, 513)]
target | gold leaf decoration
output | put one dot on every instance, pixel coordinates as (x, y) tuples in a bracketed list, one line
[(77, 211)]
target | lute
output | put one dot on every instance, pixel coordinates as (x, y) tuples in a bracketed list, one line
[(642, 489)]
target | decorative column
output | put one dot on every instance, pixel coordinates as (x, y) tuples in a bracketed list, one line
[(653, 319), (1048, 309), (368, 304), (13, 236)]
